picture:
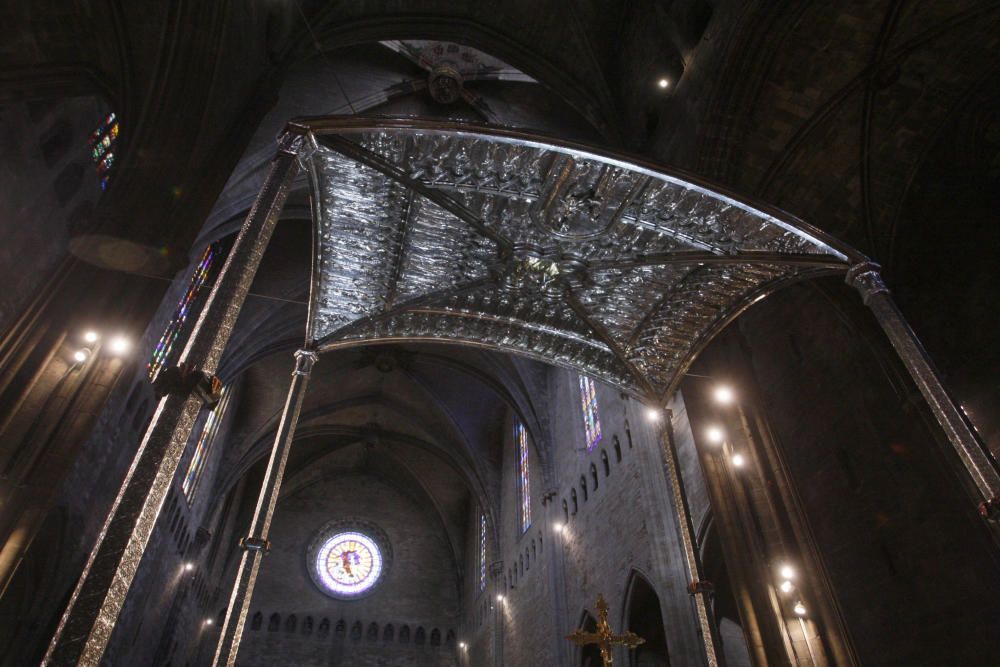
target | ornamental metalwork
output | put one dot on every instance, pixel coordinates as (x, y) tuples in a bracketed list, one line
[(482, 236)]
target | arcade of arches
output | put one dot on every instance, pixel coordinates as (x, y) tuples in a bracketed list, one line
[(455, 505)]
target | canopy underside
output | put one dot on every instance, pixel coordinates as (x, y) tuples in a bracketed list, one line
[(481, 236)]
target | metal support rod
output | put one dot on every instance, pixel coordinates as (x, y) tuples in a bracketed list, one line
[(92, 612), (866, 278), (689, 539), (255, 544)]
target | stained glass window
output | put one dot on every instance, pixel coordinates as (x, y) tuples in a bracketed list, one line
[(349, 564), (103, 143), (523, 478), (161, 353), (201, 449), (588, 401), (482, 552)]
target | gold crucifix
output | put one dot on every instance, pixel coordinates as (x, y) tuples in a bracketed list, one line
[(605, 638)]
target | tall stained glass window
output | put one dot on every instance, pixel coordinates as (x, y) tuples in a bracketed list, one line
[(103, 144), (588, 401), (168, 340), (523, 478), (482, 552), (204, 445)]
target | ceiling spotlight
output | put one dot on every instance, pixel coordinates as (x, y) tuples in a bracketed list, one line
[(663, 83), (91, 336), (723, 395), (738, 460), (787, 571), (119, 345), (188, 566), (81, 355), (558, 527), (799, 608), (787, 586), (653, 414), (208, 621), (461, 645), (715, 435), (499, 598)]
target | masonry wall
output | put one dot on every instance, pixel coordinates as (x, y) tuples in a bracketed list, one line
[(419, 591)]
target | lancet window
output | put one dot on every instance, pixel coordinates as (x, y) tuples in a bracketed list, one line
[(182, 314), (103, 144), (523, 478), (482, 552), (588, 403), (204, 445)]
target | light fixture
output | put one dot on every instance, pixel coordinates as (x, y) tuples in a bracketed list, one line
[(499, 598), (188, 566), (738, 460), (119, 345), (715, 435), (558, 527), (653, 414), (787, 586), (723, 395), (663, 83), (81, 355), (799, 608), (91, 336), (208, 621), (461, 645), (787, 571)]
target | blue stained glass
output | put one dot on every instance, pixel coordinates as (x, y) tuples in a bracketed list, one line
[(176, 325), (523, 476), (588, 402), (201, 449), (482, 552)]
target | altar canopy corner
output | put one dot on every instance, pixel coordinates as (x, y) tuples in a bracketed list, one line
[(446, 232)]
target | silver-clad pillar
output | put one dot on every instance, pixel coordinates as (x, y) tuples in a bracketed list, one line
[(92, 612), (979, 463), (699, 588), (255, 545)]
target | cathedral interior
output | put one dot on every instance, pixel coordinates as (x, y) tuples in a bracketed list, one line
[(401, 333)]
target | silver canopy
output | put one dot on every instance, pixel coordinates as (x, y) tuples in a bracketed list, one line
[(481, 236)]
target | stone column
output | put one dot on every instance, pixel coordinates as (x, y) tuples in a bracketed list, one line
[(255, 545), (92, 612), (700, 589), (978, 461)]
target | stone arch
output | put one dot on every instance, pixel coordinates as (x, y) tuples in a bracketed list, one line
[(605, 462), (256, 621), (628, 434), (388, 633), (644, 616), (341, 630), (274, 623), (576, 505), (618, 449), (356, 631), (420, 636), (404, 635), (565, 511), (290, 623), (307, 625), (372, 634), (583, 487), (435, 637), (324, 628), (593, 475)]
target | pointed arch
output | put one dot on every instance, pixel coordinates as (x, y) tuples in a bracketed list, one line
[(643, 615)]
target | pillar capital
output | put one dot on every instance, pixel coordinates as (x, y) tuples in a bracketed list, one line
[(304, 360), (866, 277)]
